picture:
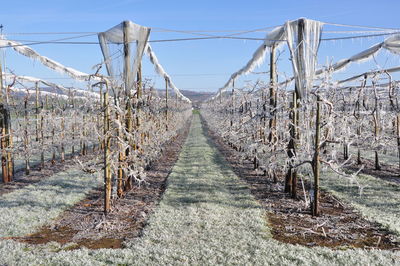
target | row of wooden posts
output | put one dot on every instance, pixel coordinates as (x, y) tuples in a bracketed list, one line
[(291, 177), (7, 136), (124, 182)]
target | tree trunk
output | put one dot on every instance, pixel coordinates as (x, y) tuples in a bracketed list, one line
[(107, 165), (6, 157), (316, 162), (26, 137)]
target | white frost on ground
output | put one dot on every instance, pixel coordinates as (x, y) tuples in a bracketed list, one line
[(206, 217), (379, 200), (26, 209)]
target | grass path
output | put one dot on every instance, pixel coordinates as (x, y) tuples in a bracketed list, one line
[(206, 217)]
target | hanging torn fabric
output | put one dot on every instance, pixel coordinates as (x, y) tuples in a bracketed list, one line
[(272, 38), (303, 37), (391, 44), (125, 32), (160, 70), (29, 52), (85, 93)]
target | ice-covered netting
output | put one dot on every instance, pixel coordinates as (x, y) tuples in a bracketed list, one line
[(391, 44), (50, 63), (22, 79), (303, 60), (272, 38), (160, 70), (129, 32), (303, 52)]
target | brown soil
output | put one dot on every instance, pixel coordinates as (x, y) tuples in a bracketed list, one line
[(339, 226), (37, 174), (84, 225)]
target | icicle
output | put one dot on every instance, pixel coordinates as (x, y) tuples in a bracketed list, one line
[(303, 52)]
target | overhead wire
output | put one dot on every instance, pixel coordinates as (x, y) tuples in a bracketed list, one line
[(359, 26), (372, 32), (61, 41)]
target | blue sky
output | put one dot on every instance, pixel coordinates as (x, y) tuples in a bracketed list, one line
[(197, 65)]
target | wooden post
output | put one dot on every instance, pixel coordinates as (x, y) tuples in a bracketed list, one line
[(376, 129), (232, 103), (4, 120), (73, 124), (107, 165), (101, 103), (294, 143), (272, 95), (128, 99), (296, 105), (41, 142), (316, 161), (37, 110), (6, 158), (272, 138), (53, 159), (1, 83), (26, 136), (83, 141), (166, 104), (127, 59), (42, 134), (398, 136), (359, 126), (62, 139), (120, 173), (139, 82)]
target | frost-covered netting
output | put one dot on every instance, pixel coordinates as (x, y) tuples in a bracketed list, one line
[(391, 44), (272, 38), (129, 32), (29, 52), (370, 73), (303, 52), (160, 70), (304, 60), (22, 79)]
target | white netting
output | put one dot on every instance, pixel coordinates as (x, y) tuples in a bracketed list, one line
[(29, 52), (160, 70), (303, 52), (272, 38), (23, 79), (391, 44), (111, 43)]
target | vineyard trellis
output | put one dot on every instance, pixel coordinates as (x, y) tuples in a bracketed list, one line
[(308, 123), (125, 123), (279, 128)]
